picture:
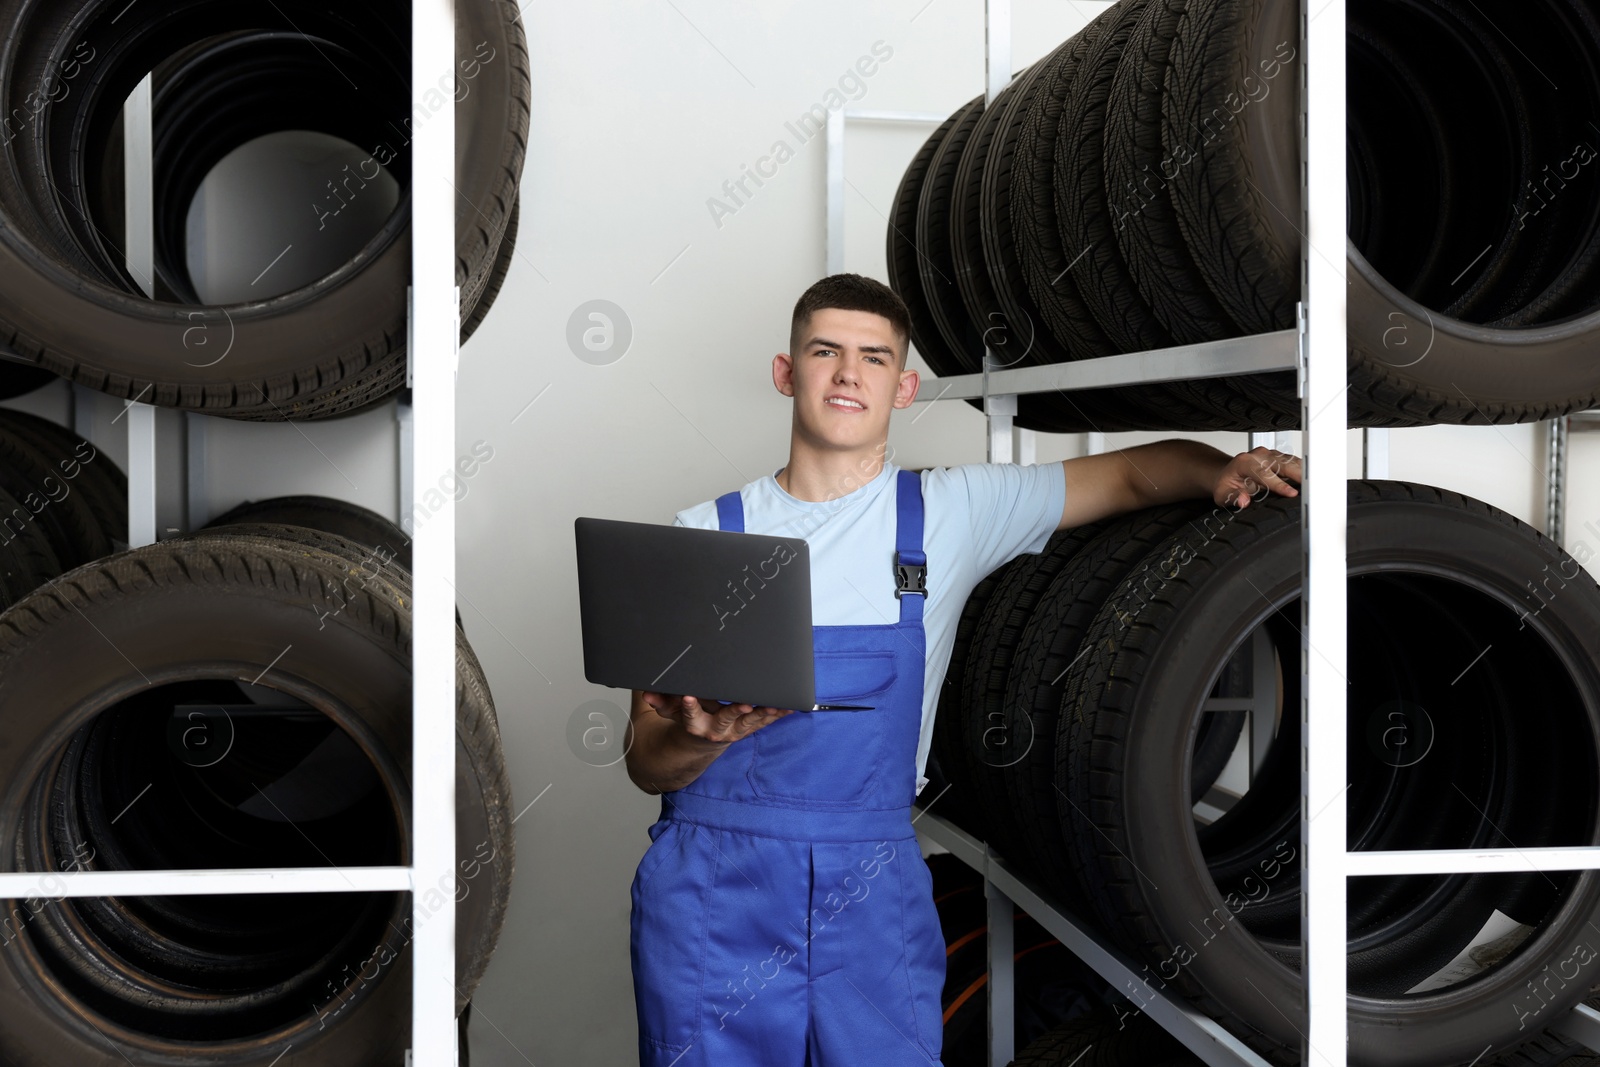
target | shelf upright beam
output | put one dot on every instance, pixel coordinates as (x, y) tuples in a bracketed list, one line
[(996, 48), (139, 257), (1375, 452), (1001, 410), (1323, 424), (196, 471), (1000, 413), (1555, 504), (833, 256), (1002, 970), (434, 335)]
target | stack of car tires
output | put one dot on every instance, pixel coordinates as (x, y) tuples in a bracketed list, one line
[(241, 695), (1138, 188), (236, 697), (224, 75), (1107, 684), (62, 503)]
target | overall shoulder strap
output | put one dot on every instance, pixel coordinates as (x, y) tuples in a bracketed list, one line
[(910, 562), (730, 512)]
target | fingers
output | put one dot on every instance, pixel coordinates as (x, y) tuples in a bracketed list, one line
[(1277, 463), (1278, 484), (663, 704), (771, 715), (1256, 473), (714, 721), (732, 722), (726, 716)]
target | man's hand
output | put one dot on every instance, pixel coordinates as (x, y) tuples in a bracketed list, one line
[(1261, 468), (717, 723)]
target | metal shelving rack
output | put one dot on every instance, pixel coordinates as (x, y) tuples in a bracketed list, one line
[(1321, 327), (427, 444)]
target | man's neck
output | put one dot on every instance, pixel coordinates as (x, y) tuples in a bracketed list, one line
[(814, 476)]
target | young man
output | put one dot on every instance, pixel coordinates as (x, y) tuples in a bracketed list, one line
[(783, 914)]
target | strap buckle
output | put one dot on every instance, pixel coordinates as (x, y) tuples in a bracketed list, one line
[(910, 574)]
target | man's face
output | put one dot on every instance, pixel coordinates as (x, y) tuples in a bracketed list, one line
[(845, 378)]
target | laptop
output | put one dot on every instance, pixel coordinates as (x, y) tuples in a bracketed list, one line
[(712, 614)]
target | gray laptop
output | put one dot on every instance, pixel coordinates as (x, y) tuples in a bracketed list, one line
[(708, 613)]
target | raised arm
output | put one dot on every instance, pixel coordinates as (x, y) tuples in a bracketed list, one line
[(1113, 483)]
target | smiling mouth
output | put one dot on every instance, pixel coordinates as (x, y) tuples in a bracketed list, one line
[(842, 406)]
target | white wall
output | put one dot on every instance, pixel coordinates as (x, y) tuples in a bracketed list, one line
[(641, 111)]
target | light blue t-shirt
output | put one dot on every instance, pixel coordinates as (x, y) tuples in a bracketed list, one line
[(977, 516)]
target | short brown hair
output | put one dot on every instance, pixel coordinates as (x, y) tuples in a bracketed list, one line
[(853, 292)]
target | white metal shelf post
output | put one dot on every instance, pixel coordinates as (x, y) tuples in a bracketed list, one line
[(139, 256), (1001, 412), (1323, 422), (434, 336)]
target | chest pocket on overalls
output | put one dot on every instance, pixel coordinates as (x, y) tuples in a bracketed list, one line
[(823, 757)]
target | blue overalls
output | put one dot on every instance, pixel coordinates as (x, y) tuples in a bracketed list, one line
[(783, 915)]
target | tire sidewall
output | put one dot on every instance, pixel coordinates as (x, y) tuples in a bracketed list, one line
[(166, 630), (1232, 967)]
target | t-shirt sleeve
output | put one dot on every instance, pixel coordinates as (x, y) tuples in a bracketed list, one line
[(702, 516), (1013, 508)]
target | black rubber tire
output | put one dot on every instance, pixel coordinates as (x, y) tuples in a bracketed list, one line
[(1050, 274), (27, 559), (1047, 268), (233, 597), (359, 524), (995, 739), (1140, 203), (1081, 208), (20, 379), (941, 287), (93, 473), (904, 259), (1133, 702), (978, 289), (37, 478), (1238, 200), (1422, 223), (504, 254), (1469, 374), (1550, 1050), (322, 350), (1213, 747), (1030, 698), (1509, 338), (1044, 411), (962, 339), (1027, 339), (1247, 402), (1490, 325), (955, 796)]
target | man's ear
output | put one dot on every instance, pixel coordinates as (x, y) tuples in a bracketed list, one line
[(783, 373), (906, 392)]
